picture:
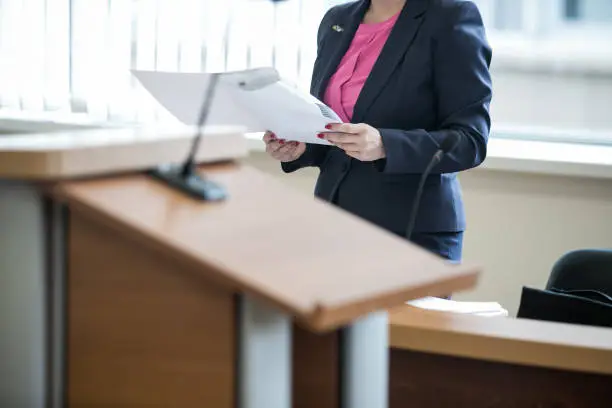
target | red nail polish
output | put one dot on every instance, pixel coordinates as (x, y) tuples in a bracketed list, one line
[(272, 135), (321, 136), (281, 141), (328, 126)]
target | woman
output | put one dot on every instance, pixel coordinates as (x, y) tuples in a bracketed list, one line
[(404, 75)]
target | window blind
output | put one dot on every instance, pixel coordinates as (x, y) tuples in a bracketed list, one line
[(76, 55)]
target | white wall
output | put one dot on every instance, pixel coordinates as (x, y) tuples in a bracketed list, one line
[(520, 224)]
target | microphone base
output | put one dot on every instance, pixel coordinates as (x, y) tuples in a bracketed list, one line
[(191, 184)]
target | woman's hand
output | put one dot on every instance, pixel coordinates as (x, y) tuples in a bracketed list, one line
[(360, 141), (282, 150)]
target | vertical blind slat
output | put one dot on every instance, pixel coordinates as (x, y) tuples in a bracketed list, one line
[(57, 53), (10, 59), (32, 51)]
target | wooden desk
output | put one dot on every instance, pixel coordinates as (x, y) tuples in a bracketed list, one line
[(448, 360)]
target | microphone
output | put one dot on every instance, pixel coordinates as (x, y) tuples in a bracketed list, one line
[(448, 144), (185, 177)]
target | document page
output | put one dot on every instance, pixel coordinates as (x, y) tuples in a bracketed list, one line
[(256, 99), (473, 308)]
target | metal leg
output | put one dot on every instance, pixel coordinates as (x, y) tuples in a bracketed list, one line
[(264, 356), (22, 297), (56, 220), (365, 363), (32, 268)]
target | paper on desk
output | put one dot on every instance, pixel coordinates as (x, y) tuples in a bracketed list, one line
[(445, 305), (255, 99)]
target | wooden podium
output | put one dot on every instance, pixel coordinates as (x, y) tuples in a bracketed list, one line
[(123, 292)]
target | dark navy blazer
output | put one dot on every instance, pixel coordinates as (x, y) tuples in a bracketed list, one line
[(431, 79)]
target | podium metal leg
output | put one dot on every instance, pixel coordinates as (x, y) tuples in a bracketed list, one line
[(56, 217), (365, 363), (264, 356), (32, 296), (22, 297)]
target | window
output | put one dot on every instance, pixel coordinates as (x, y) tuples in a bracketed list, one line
[(588, 11), (552, 68), (547, 17), (76, 55)]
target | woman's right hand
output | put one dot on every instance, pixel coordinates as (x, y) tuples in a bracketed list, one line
[(281, 150)]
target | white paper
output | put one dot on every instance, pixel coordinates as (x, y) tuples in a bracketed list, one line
[(453, 306), (257, 100)]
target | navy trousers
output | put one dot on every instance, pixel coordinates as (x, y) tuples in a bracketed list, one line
[(448, 245)]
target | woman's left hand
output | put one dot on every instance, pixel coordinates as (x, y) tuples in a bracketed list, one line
[(360, 141)]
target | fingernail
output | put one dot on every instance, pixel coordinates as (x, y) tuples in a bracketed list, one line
[(321, 136), (282, 141), (328, 126), (294, 143)]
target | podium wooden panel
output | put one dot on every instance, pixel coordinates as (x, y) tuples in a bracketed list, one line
[(141, 331), (140, 334)]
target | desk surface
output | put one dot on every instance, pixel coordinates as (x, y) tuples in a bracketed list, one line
[(507, 340), (320, 264), (92, 152)]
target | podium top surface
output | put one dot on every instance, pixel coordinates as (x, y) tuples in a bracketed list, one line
[(504, 339), (268, 240), (91, 152)]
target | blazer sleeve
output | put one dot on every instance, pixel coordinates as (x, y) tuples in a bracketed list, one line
[(315, 154), (463, 89)]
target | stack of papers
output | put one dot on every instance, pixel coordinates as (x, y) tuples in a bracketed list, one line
[(257, 100), (453, 306)]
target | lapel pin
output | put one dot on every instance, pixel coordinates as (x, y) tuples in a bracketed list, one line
[(337, 28)]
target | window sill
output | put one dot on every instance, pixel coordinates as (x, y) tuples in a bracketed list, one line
[(561, 159), (549, 158), (510, 151)]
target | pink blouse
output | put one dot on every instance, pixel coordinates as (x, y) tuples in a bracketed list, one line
[(346, 84)]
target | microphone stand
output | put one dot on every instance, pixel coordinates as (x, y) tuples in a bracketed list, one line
[(185, 177), (417, 199), (446, 146)]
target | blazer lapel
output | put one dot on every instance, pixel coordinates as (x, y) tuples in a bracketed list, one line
[(400, 39), (338, 43)]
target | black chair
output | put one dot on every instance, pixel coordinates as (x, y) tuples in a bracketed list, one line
[(586, 269), (579, 291)]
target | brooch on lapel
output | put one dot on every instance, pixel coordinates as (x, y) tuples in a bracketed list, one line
[(337, 28)]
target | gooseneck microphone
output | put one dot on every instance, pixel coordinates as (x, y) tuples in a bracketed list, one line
[(447, 145), (185, 177)]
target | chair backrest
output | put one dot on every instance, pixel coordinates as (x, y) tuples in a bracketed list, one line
[(579, 291), (583, 270)]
